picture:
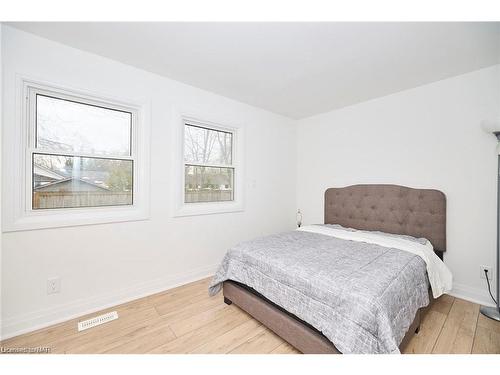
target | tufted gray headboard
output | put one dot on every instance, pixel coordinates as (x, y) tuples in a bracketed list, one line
[(389, 208)]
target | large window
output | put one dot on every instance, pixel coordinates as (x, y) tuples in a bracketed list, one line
[(82, 156), (74, 158), (208, 164)]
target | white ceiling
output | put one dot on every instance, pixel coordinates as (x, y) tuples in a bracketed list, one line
[(295, 69)]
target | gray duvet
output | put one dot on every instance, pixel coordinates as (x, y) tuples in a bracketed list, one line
[(362, 297)]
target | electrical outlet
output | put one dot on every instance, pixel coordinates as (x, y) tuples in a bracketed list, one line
[(53, 285), (490, 272)]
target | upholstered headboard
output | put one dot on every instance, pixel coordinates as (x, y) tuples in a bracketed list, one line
[(389, 208)]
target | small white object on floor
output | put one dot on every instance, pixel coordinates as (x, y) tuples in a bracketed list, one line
[(98, 320)]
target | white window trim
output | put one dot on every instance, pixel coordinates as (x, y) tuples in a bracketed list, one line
[(17, 182), (207, 208)]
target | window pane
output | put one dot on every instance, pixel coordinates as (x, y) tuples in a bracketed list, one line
[(207, 146), (68, 181), (207, 184), (66, 126)]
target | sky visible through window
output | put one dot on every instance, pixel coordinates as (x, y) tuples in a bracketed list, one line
[(207, 146), (74, 127)]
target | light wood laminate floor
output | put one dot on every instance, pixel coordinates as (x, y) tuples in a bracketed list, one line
[(187, 320)]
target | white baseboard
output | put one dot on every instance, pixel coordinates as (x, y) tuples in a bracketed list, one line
[(32, 321), (479, 296)]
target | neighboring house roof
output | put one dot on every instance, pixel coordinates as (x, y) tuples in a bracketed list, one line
[(90, 176), (46, 172), (52, 185)]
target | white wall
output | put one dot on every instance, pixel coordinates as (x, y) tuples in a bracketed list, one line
[(1, 127), (427, 137), (104, 264)]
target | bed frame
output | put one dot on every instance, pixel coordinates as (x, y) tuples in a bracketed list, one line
[(388, 208)]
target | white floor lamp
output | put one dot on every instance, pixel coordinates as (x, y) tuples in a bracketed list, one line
[(493, 127)]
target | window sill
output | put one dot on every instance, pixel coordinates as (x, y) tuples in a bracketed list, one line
[(69, 217), (208, 208)]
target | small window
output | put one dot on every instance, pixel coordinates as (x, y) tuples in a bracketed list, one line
[(209, 172), (82, 154)]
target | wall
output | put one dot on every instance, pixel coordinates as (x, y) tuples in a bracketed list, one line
[(102, 265), (1, 175), (427, 137)]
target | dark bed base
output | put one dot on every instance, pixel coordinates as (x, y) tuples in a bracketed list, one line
[(298, 333)]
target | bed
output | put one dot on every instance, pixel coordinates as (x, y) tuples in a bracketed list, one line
[(365, 298)]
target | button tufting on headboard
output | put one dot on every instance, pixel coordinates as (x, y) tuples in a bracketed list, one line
[(389, 208)]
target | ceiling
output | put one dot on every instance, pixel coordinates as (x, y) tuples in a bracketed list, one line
[(294, 69)]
